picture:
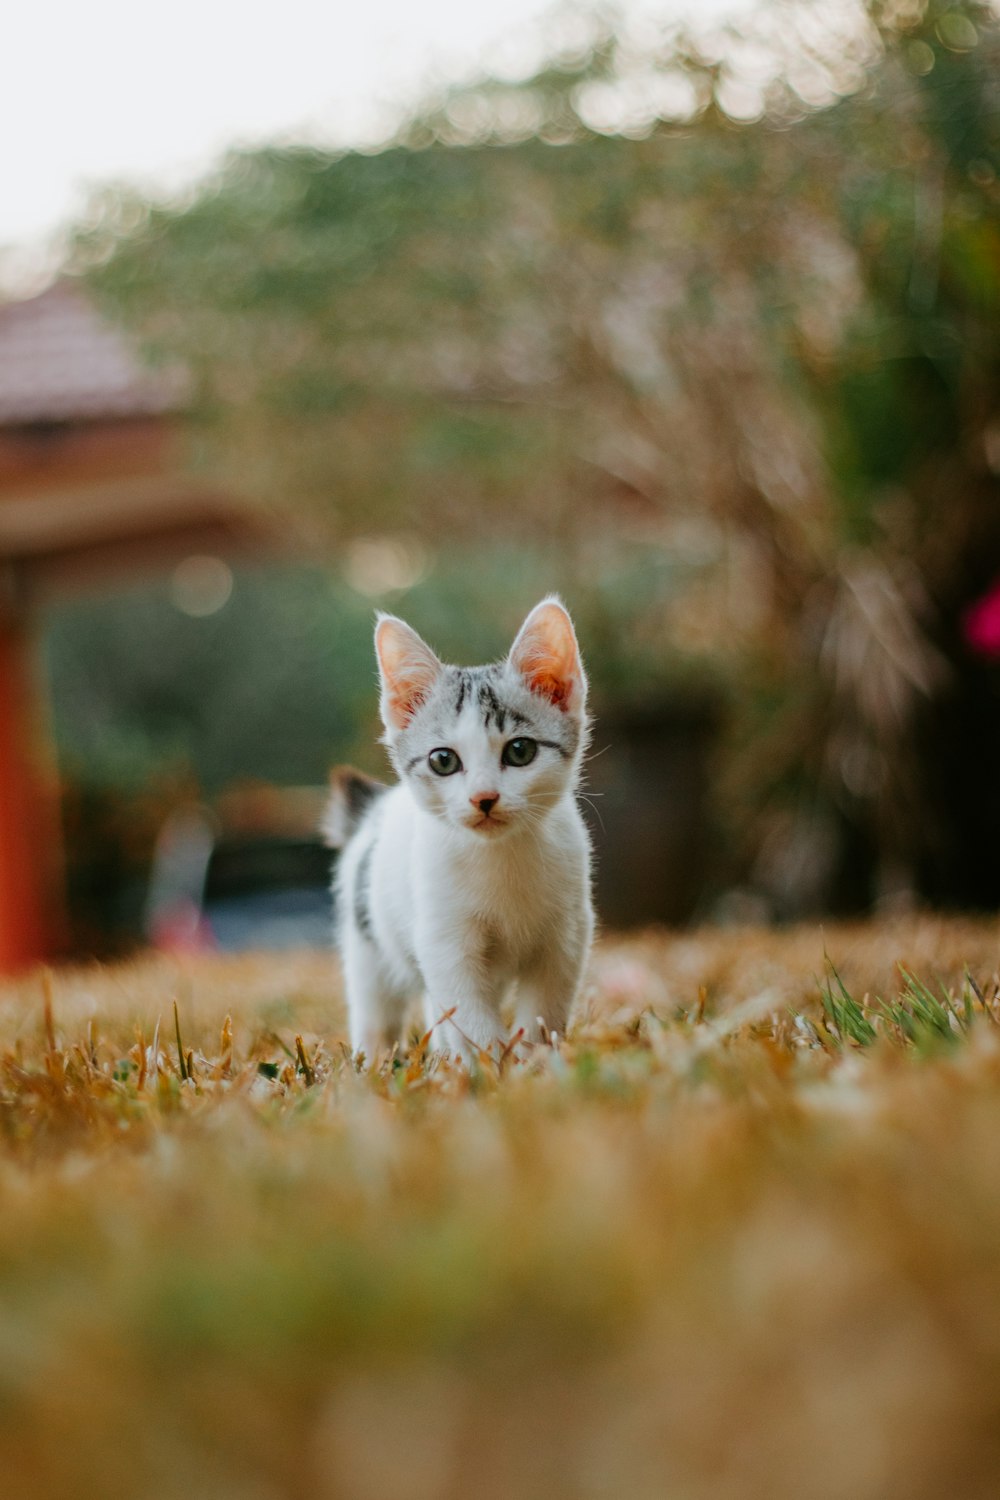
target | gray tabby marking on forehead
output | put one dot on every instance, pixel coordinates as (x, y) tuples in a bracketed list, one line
[(485, 686), (492, 709), (467, 682)]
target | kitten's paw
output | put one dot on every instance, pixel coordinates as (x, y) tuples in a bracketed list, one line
[(537, 1032), (470, 1035)]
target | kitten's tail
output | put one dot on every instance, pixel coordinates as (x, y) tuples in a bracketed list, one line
[(352, 793)]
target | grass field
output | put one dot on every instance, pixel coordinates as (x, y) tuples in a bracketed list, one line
[(737, 1236)]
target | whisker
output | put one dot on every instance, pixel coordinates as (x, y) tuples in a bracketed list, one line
[(589, 799)]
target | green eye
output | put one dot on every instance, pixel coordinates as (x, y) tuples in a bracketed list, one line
[(444, 762), (519, 752)]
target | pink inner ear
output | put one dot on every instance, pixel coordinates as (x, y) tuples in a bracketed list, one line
[(408, 667), (402, 705), (558, 689), (545, 653)]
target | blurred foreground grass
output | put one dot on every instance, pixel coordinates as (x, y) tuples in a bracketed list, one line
[(738, 1236)]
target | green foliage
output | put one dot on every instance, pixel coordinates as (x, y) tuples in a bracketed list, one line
[(277, 685), (844, 1011), (917, 1017)]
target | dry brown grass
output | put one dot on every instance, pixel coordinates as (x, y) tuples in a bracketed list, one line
[(708, 1247)]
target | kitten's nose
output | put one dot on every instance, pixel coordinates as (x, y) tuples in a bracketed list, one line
[(485, 801)]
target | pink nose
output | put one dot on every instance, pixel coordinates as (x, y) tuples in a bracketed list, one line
[(485, 801)]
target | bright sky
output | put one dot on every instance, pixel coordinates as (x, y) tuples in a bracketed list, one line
[(97, 90)]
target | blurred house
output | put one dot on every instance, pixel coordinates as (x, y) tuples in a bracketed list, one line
[(93, 486)]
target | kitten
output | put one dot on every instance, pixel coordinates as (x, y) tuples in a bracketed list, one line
[(472, 874)]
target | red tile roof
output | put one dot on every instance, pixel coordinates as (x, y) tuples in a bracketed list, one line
[(61, 361)]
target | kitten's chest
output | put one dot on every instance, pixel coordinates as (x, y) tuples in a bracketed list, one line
[(508, 900), (511, 899)]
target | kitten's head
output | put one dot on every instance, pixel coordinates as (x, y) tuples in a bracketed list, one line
[(488, 749)]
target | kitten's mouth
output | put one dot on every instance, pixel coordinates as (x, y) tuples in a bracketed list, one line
[(486, 824)]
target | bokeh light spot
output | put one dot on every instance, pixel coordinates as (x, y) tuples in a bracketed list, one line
[(201, 586), (385, 565), (957, 32)]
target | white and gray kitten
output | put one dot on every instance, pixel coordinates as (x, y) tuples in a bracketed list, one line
[(472, 875)]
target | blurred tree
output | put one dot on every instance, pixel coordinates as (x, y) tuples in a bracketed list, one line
[(275, 685), (729, 295)]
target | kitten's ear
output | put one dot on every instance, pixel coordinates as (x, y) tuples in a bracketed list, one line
[(548, 658), (407, 667)]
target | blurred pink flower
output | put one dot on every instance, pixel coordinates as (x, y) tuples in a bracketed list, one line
[(981, 623)]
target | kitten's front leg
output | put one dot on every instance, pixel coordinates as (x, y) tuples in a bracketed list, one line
[(375, 1008), (462, 1011), (547, 989)]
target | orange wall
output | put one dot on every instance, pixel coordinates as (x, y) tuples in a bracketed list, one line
[(29, 853)]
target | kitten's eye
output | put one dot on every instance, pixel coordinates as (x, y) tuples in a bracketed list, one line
[(519, 752), (444, 762)]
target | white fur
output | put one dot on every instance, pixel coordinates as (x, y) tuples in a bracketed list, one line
[(463, 911)]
